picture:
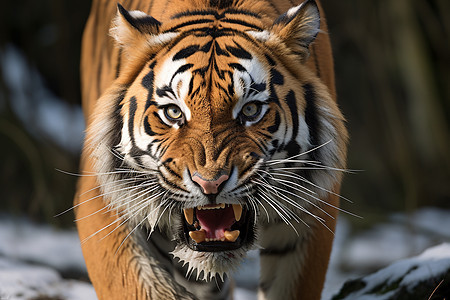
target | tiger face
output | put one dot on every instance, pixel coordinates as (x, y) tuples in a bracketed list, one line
[(215, 128)]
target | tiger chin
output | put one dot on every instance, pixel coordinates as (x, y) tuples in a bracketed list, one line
[(212, 129)]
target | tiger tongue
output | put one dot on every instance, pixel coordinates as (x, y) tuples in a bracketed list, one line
[(216, 221)]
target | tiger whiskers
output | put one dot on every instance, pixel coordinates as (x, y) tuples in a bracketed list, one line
[(119, 219), (294, 186), (289, 159), (161, 204), (253, 201), (280, 209), (308, 192), (300, 178), (304, 180), (130, 211), (144, 202), (142, 176), (130, 189)]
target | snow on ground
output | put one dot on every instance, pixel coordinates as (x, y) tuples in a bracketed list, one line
[(33, 257), (402, 236), (19, 281), (405, 274)]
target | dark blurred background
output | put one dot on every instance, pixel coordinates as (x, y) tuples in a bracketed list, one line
[(393, 78)]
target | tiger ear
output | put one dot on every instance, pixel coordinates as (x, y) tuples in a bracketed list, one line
[(298, 27), (133, 29)]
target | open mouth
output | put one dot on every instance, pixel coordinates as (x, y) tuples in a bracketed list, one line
[(218, 227)]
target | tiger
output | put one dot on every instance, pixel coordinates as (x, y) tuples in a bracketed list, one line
[(212, 130)]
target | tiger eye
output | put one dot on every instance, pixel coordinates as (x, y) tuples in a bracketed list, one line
[(173, 112), (250, 110)]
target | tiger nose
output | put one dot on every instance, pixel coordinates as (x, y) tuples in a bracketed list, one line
[(209, 186)]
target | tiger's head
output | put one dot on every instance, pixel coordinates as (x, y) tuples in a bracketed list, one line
[(214, 127)]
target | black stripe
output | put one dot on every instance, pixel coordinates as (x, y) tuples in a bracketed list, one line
[(191, 85), (138, 23), (262, 146), (270, 60), (239, 52), (165, 91), (164, 149), (186, 52), (243, 23), (258, 87), (273, 95), (207, 47), (160, 145), (174, 186), (215, 14), (148, 128), (131, 114), (238, 67), (277, 77), (206, 31), (276, 124), (231, 89), (147, 82), (235, 11), (220, 4), (226, 92), (289, 248), (172, 172), (195, 13), (292, 147), (181, 69), (159, 118), (118, 65), (291, 101), (213, 33), (311, 116), (247, 169), (219, 51), (262, 133), (188, 23), (117, 128)]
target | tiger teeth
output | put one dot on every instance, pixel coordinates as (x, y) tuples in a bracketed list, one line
[(218, 206), (189, 212), (237, 209), (231, 236), (198, 236), (189, 215), (215, 240)]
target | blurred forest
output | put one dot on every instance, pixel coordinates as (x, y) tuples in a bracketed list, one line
[(392, 61)]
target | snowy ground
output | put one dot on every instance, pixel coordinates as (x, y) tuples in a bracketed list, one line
[(402, 236), (36, 259), (407, 276)]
